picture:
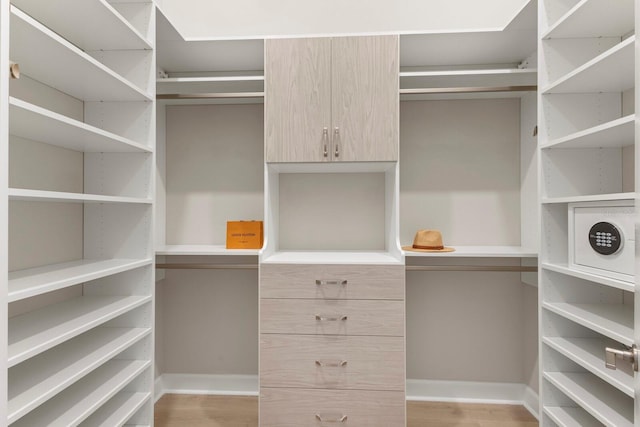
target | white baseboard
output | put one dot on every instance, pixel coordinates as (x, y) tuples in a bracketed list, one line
[(531, 401), (229, 385), (473, 392), (417, 390)]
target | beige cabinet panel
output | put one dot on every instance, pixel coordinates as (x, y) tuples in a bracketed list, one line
[(332, 281), (300, 407), (336, 362), (365, 98), (297, 99), (332, 317), (332, 99)]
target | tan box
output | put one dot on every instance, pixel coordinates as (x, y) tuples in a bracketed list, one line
[(244, 235)]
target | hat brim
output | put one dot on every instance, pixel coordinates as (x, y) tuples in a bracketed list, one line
[(412, 249)]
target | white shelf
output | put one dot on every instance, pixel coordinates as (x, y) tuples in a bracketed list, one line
[(611, 320), (118, 410), (468, 78), (89, 24), (571, 417), (564, 269), (35, 381), (45, 56), (594, 18), (611, 71), (589, 353), (616, 133), (20, 194), (590, 198), (479, 252), (331, 257), (595, 397), (203, 250), (38, 124), (35, 281), (35, 332), (79, 401), (214, 84)]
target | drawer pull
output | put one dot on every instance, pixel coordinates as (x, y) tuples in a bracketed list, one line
[(342, 282), (332, 363), (338, 418), (324, 318)]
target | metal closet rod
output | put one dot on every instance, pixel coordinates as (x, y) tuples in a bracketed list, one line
[(508, 268), (210, 95), (413, 91), (194, 266), (477, 89)]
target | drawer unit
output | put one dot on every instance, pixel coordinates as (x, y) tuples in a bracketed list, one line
[(332, 281), (332, 347), (366, 363), (300, 407), (332, 317)]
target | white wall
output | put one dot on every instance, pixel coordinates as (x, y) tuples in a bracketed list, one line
[(252, 18)]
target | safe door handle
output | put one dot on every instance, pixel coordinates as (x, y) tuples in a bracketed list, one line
[(631, 355)]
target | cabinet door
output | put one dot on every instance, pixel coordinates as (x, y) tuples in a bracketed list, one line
[(297, 100), (365, 96)]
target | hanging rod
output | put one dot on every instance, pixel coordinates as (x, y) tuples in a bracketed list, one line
[(512, 268), (210, 95), (440, 90), (194, 266)]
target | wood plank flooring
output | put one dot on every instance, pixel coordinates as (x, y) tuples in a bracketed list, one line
[(181, 410)]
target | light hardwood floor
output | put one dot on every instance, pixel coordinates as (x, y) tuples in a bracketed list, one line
[(174, 410)]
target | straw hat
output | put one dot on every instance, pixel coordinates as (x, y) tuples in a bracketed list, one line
[(428, 241)]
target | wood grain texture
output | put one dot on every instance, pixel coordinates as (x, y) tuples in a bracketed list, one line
[(373, 363), (297, 99), (296, 408), (298, 316), (365, 101), (363, 281), (174, 410), (180, 410)]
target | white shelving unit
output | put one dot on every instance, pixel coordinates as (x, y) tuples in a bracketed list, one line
[(203, 250), (39, 124), (80, 313), (70, 70), (479, 252), (588, 82)]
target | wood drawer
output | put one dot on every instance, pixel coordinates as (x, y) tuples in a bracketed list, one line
[(332, 317), (300, 407), (332, 281), (307, 361)]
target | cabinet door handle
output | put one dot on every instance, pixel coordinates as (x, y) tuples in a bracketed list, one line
[(342, 282), (325, 140), (334, 418), (336, 141), (324, 318), (331, 363)]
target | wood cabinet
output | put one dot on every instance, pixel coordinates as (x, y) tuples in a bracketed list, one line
[(331, 99), (334, 351)]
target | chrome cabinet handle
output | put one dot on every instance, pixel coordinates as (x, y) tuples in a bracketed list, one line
[(337, 418), (331, 363), (325, 139), (336, 138), (342, 282), (324, 318)]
